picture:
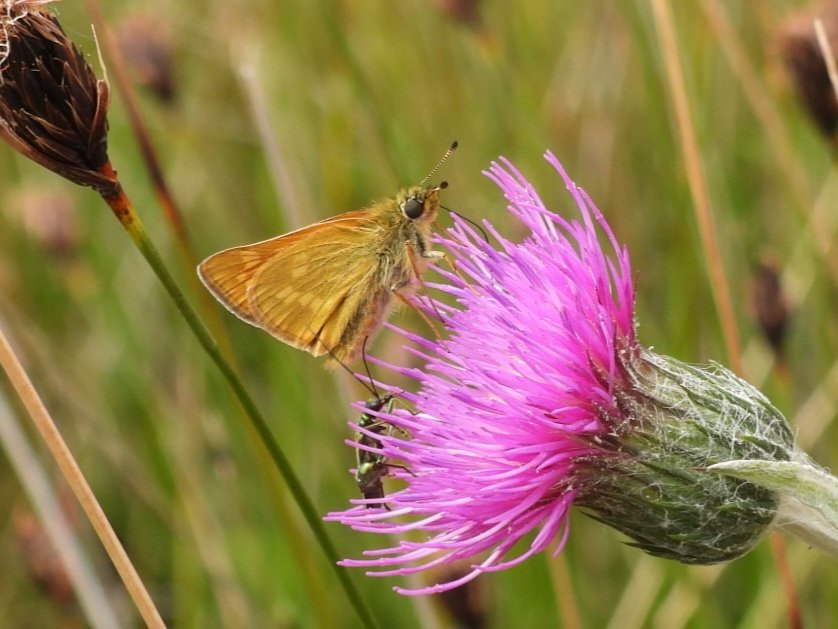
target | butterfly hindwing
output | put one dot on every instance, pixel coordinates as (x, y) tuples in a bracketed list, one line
[(228, 274)]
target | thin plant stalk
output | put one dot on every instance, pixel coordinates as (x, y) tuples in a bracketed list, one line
[(78, 484), (638, 597), (765, 110), (57, 116), (129, 96), (778, 549), (124, 210), (828, 56), (560, 577), (230, 600), (89, 589), (829, 59), (165, 199), (291, 200), (178, 228), (697, 181)]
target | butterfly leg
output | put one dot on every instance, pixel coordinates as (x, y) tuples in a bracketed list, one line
[(450, 264), (417, 273), (404, 299), (456, 272)]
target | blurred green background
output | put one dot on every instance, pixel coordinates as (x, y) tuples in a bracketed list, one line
[(284, 113)]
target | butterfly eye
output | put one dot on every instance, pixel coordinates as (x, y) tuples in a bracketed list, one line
[(413, 208)]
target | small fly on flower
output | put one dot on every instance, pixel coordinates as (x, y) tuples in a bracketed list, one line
[(327, 287), (372, 464)]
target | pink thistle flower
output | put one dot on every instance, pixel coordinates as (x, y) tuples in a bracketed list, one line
[(541, 398)]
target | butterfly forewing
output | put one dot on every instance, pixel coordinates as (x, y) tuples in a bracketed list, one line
[(308, 288), (312, 295)]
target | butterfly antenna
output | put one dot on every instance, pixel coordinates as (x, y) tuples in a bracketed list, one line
[(474, 224), (450, 150)]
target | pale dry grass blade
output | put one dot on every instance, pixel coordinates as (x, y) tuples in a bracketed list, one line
[(697, 181), (635, 605), (562, 581), (828, 55), (75, 479), (88, 588), (292, 201)]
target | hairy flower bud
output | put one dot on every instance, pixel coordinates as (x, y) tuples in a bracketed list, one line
[(676, 420)]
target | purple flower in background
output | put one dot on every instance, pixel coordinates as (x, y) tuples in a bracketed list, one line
[(541, 398)]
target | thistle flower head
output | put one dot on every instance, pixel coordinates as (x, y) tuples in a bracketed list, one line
[(540, 397), (52, 108)]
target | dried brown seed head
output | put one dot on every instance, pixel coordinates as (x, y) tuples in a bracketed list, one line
[(147, 46), (770, 305), (466, 11), (468, 604), (804, 59), (52, 108)]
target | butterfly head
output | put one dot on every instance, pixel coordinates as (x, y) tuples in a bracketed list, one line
[(420, 204)]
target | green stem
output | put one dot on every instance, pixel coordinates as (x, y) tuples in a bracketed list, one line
[(808, 496), (129, 219)]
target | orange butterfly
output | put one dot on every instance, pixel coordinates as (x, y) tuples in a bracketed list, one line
[(327, 287)]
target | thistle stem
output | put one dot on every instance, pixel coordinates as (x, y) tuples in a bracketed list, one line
[(808, 497), (124, 210)]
